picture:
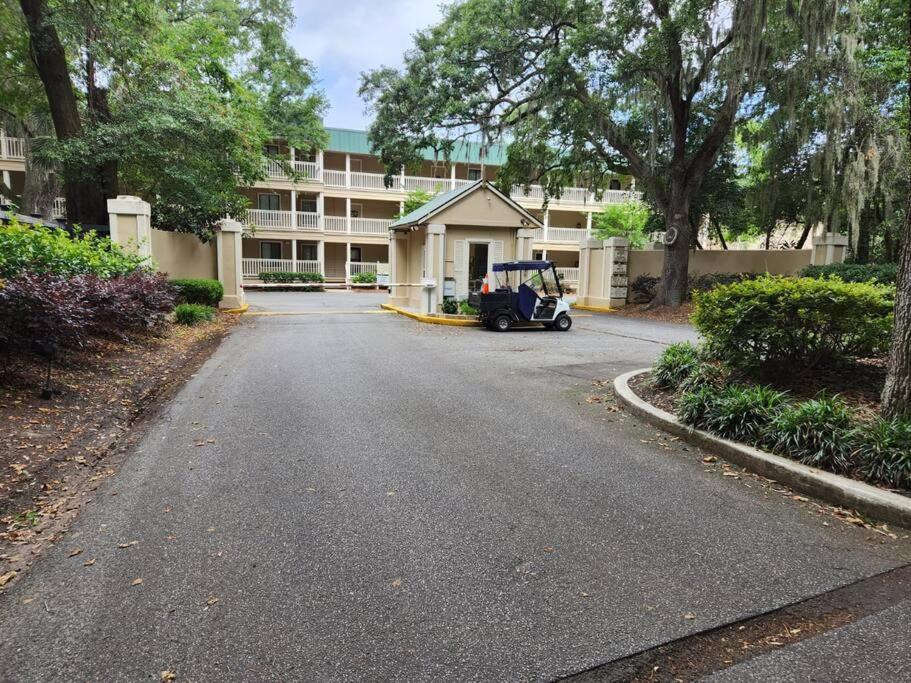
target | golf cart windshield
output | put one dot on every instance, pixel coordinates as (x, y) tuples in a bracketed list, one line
[(541, 276)]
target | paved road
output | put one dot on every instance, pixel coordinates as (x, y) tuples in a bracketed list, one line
[(385, 499)]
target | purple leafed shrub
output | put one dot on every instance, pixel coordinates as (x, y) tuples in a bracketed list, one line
[(44, 312)]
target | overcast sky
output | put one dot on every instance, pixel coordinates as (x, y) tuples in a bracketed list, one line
[(345, 37)]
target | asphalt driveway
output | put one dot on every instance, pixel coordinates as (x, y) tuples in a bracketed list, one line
[(383, 499)]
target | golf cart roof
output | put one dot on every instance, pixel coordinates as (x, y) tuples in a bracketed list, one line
[(522, 265)]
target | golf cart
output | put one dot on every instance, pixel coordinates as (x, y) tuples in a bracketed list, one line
[(524, 293)]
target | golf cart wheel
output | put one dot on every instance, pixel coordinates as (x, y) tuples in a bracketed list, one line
[(563, 322), (501, 323)]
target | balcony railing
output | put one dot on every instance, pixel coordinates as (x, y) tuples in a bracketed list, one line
[(356, 267), (252, 267), (12, 148), (307, 220), (568, 275), (555, 234)]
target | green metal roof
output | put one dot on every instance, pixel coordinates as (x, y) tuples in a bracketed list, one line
[(468, 152), (440, 200)]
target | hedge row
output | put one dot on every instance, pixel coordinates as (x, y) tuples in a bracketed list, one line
[(45, 312), (822, 432), (794, 322), (199, 291), (286, 277), (51, 250), (882, 273)]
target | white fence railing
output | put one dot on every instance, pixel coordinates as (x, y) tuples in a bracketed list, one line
[(371, 226), (252, 267), (307, 220), (355, 267), (334, 178), (13, 148), (554, 234), (269, 220), (568, 274), (335, 224)]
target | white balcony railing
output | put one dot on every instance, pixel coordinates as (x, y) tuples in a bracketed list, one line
[(371, 226), (12, 148), (252, 267), (60, 207), (570, 275), (334, 178), (335, 224), (555, 234), (355, 267), (307, 220), (269, 220)]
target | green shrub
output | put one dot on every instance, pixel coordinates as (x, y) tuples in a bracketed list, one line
[(882, 451), (363, 278), (199, 291), (794, 321), (191, 314), (744, 413), (706, 374), (814, 432), (883, 273), (675, 364), (287, 277), (466, 308), (703, 282), (693, 407), (42, 250), (450, 306)]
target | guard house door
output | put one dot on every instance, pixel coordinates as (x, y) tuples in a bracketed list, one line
[(478, 264)]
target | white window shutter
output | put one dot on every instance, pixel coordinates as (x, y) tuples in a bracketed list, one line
[(460, 269), (496, 253)]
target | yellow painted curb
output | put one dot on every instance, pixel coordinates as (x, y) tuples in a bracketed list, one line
[(596, 309), (314, 313), (238, 311), (431, 319)]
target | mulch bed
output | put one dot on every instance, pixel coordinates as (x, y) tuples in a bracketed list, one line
[(54, 453), (666, 314)]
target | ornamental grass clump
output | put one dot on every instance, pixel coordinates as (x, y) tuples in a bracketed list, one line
[(882, 451), (744, 413), (793, 323), (675, 364), (813, 432), (193, 314)]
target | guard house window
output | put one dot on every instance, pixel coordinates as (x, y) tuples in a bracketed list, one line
[(474, 173), (270, 250), (268, 202), (615, 184)]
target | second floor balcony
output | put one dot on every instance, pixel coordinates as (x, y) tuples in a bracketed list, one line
[(307, 221)]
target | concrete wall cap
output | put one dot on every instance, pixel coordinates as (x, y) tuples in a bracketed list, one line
[(591, 243), (616, 242), (834, 239), (230, 225), (128, 205)]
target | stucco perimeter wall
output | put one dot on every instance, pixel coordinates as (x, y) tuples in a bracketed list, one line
[(182, 255), (776, 262)]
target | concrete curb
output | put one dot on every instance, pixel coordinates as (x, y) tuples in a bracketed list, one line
[(596, 309), (832, 488), (431, 319), (237, 311)]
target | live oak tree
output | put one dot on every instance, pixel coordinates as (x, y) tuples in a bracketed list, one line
[(172, 101), (896, 396), (586, 88)]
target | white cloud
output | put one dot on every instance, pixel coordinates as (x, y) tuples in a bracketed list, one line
[(345, 37)]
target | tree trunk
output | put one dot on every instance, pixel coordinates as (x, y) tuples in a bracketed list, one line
[(41, 187), (85, 200), (720, 233), (807, 227), (897, 391), (675, 273)]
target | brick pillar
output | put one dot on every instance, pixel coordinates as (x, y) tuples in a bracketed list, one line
[(603, 281), (229, 250)]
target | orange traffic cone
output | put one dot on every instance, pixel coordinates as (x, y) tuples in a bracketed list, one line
[(485, 288)]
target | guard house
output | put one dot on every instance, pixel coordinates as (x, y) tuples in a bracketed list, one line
[(446, 247)]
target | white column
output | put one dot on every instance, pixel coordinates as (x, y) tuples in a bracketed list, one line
[(319, 165), (7, 181), (294, 209), (348, 214), (402, 178), (546, 222), (401, 208), (320, 210), (348, 263), (588, 223), (544, 255), (452, 177), (292, 154), (347, 170), (294, 256), (321, 256), (3, 149)]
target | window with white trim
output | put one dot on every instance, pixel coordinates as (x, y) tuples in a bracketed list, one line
[(268, 202)]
